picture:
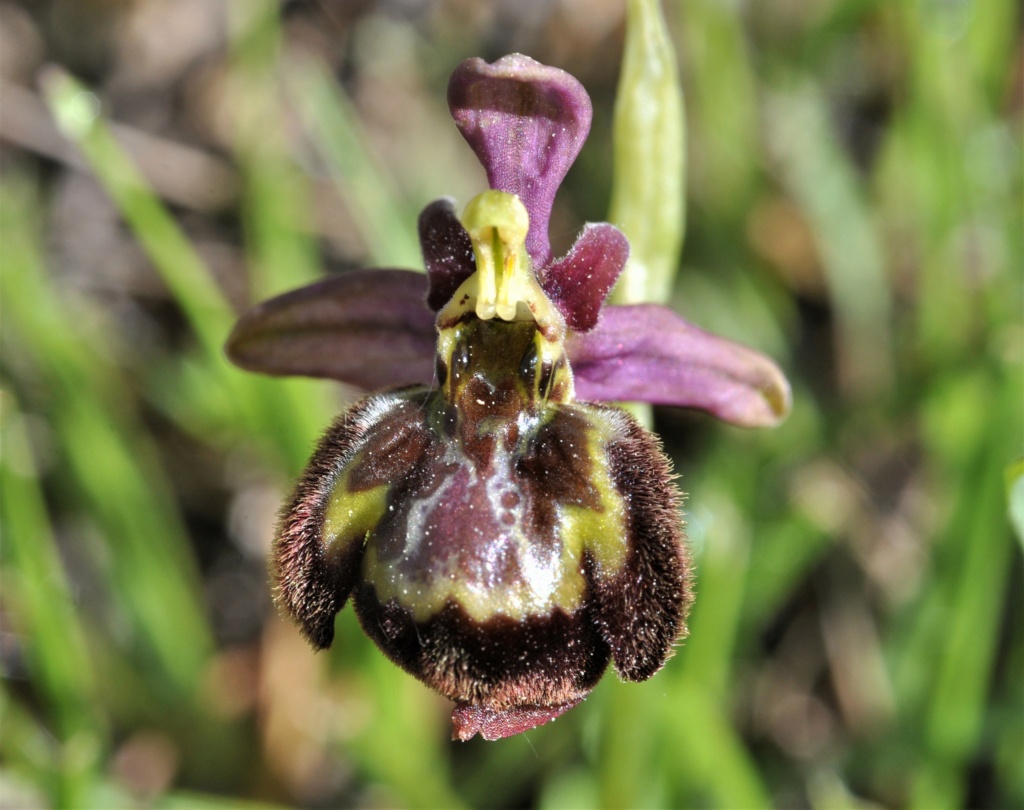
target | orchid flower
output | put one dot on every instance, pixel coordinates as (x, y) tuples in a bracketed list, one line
[(504, 536)]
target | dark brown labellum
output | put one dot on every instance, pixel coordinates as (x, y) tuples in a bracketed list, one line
[(501, 541)]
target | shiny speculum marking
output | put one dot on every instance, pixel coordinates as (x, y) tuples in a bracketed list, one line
[(505, 495)]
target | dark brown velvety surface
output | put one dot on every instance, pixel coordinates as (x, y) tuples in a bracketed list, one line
[(500, 663)]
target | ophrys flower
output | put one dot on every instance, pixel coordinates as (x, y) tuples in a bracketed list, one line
[(503, 536)]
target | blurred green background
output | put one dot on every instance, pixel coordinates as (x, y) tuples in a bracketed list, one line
[(854, 198)]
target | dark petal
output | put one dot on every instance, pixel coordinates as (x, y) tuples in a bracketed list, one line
[(447, 251), (642, 607), (647, 353), (370, 328), (314, 574), (580, 282), (526, 122)]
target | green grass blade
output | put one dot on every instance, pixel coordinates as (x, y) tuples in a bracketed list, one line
[(36, 585), (284, 413), (422, 780), (977, 587), (386, 225), (278, 205), (705, 753), (822, 180), (723, 538), (722, 115), (77, 113), (53, 641), (107, 457), (185, 800)]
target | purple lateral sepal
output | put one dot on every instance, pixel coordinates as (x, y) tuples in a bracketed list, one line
[(579, 283), (369, 328), (647, 353), (527, 123), (447, 251)]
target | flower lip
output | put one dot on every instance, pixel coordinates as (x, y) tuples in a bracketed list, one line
[(508, 587)]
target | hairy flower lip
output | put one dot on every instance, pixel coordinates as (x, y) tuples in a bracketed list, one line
[(344, 534)]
